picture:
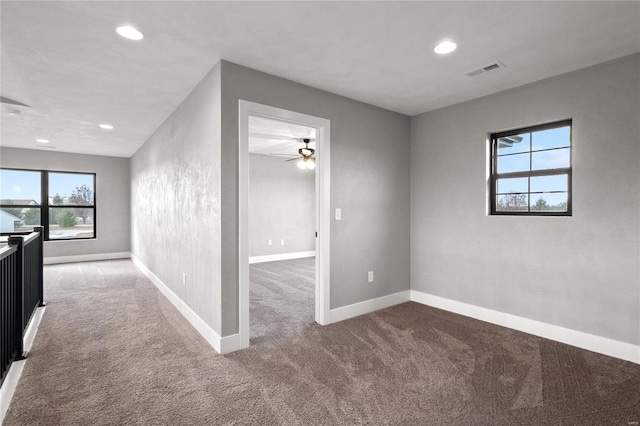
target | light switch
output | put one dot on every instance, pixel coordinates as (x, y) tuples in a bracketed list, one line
[(370, 276), (281, 242), (338, 214)]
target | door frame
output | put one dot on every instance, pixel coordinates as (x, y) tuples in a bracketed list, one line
[(323, 211)]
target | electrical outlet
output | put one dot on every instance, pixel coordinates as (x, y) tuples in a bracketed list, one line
[(184, 278), (338, 214), (269, 242), (281, 242), (370, 277)]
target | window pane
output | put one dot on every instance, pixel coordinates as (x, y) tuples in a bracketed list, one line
[(68, 222), (15, 219), (514, 144), (71, 189), (506, 186), (552, 138), (554, 159), (549, 183), (20, 187), (556, 202), (512, 202), (513, 163)]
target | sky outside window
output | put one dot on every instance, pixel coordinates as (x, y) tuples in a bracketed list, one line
[(20, 185)]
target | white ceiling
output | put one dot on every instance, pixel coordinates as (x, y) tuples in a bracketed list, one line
[(65, 60), (279, 138)]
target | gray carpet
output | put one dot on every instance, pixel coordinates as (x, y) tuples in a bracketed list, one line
[(281, 299), (112, 351)]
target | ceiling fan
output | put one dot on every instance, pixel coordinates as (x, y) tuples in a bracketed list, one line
[(307, 156)]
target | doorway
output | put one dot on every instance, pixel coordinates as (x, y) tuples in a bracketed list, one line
[(250, 114)]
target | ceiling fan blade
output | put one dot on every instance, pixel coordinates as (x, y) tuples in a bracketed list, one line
[(12, 102), (275, 154), (292, 159)]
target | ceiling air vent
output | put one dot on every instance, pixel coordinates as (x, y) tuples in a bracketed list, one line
[(484, 69)]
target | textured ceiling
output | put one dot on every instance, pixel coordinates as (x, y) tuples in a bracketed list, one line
[(66, 62)]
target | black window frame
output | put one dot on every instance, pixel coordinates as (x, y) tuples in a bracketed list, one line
[(44, 205), (494, 175)]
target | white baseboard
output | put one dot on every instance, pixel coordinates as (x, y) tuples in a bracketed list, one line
[(230, 344), (221, 345), (15, 371), (603, 345), (361, 308), (9, 386), (32, 329), (283, 256), (86, 257)]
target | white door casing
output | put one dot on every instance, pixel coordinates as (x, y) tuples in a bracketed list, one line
[(323, 210)]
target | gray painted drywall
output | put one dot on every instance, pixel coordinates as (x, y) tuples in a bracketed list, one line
[(369, 181), (281, 207), (175, 200), (112, 197), (579, 272)]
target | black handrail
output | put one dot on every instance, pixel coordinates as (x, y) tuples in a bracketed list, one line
[(21, 292)]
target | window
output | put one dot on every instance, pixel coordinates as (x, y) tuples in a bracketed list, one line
[(531, 171), (63, 202), (72, 209)]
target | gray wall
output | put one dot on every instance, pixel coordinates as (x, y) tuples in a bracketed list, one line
[(369, 181), (281, 206), (175, 200), (112, 197), (579, 272)]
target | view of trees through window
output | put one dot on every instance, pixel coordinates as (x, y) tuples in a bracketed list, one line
[(68, 211), (71, 201), (520, 202)]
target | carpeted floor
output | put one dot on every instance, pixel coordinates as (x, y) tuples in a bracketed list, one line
[(112, 351), (281, 299)]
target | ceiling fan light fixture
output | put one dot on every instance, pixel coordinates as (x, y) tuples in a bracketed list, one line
[(306, 163)]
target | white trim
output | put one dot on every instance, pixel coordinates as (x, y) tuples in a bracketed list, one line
[(32, 329), (15, 371), (9, 386), (209, 334), (367, 306), (603, 345), (323, 214), (231, 343), (282, 256), (86, 257)]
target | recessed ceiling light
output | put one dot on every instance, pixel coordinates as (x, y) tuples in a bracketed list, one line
[(106, 126), (445, 47), (129, 32), (42, 141)]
